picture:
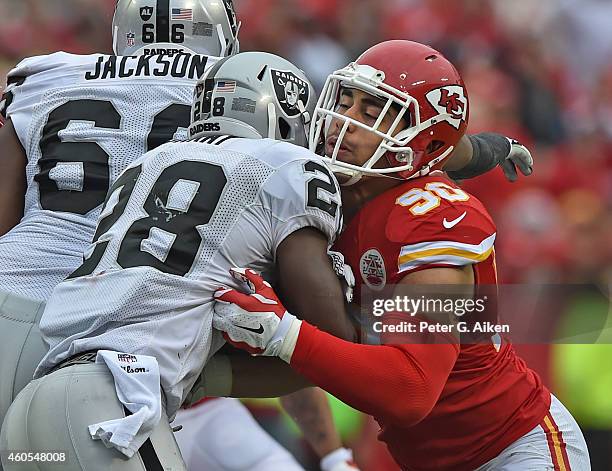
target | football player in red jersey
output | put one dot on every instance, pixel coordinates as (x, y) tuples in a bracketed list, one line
[(398, 112)]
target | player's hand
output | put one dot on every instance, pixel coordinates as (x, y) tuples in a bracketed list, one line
[(518, 156), (344, 272), (256, 322), (339, 460)]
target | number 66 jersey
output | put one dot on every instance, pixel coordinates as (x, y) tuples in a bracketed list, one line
[(173, 224), (81, 120)]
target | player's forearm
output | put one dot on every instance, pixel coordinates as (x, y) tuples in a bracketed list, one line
[(310, 410), (398, 383), (264, 377), (12, 178), (461, 155), (486, 151), (309, 286), (244, 376)]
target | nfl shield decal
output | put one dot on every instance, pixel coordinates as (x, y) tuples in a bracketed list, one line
[(372, 269), (292, 92)]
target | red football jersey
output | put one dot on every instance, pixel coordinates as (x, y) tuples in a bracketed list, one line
[(490, 398)]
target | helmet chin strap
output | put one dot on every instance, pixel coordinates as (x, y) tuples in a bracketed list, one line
[(354, 176), (271, 120), (115, 34)]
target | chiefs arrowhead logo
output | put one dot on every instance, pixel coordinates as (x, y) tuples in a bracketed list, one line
[(146, 13), (372, 268), (453, 103), (450, 100)]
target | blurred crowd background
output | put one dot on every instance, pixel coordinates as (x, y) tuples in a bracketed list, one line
[(540, 71)]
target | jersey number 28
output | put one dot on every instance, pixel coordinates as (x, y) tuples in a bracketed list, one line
[(167, 218)]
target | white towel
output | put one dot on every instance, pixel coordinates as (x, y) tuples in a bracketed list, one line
[(138, 387)]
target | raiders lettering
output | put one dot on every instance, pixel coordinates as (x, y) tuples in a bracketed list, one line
[(179, 65), (161, 50), (201, 127)]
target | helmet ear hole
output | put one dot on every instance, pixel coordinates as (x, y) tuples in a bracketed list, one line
[(434, 146), (284, 127), (260, 76)]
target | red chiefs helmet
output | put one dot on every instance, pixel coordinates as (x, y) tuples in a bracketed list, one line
[(414, 79)]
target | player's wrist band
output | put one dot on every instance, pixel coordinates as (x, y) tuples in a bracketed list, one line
[(341, 455), (287, 333), (489, 149)]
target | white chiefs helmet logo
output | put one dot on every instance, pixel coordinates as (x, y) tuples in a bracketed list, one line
[(372, 269), (450, 100)]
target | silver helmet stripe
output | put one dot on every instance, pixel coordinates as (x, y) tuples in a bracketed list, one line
[(162, 21)]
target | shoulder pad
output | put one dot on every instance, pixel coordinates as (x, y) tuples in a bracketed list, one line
[(438, 223)]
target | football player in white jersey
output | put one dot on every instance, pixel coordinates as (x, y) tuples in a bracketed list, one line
[(80, 120), (74, 122), (172, 225)]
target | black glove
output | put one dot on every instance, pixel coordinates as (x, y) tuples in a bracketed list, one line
[(492, 149)]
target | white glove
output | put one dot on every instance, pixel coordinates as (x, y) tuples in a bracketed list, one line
[(519, 156), (339, 460), (255, 322), (344, 272)]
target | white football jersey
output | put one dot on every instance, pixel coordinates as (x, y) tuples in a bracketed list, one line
[(173, 224), (82, 120)]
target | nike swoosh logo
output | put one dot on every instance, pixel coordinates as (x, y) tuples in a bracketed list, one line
[(260, 330), (454, 222)]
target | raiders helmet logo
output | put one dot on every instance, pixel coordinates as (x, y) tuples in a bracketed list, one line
[(292, 92), (450, 100), (146, 13)]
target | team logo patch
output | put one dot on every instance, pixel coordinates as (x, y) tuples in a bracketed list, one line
[(451, 100), (292, 92), (372, 268), (130, 38), (146, 13)]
